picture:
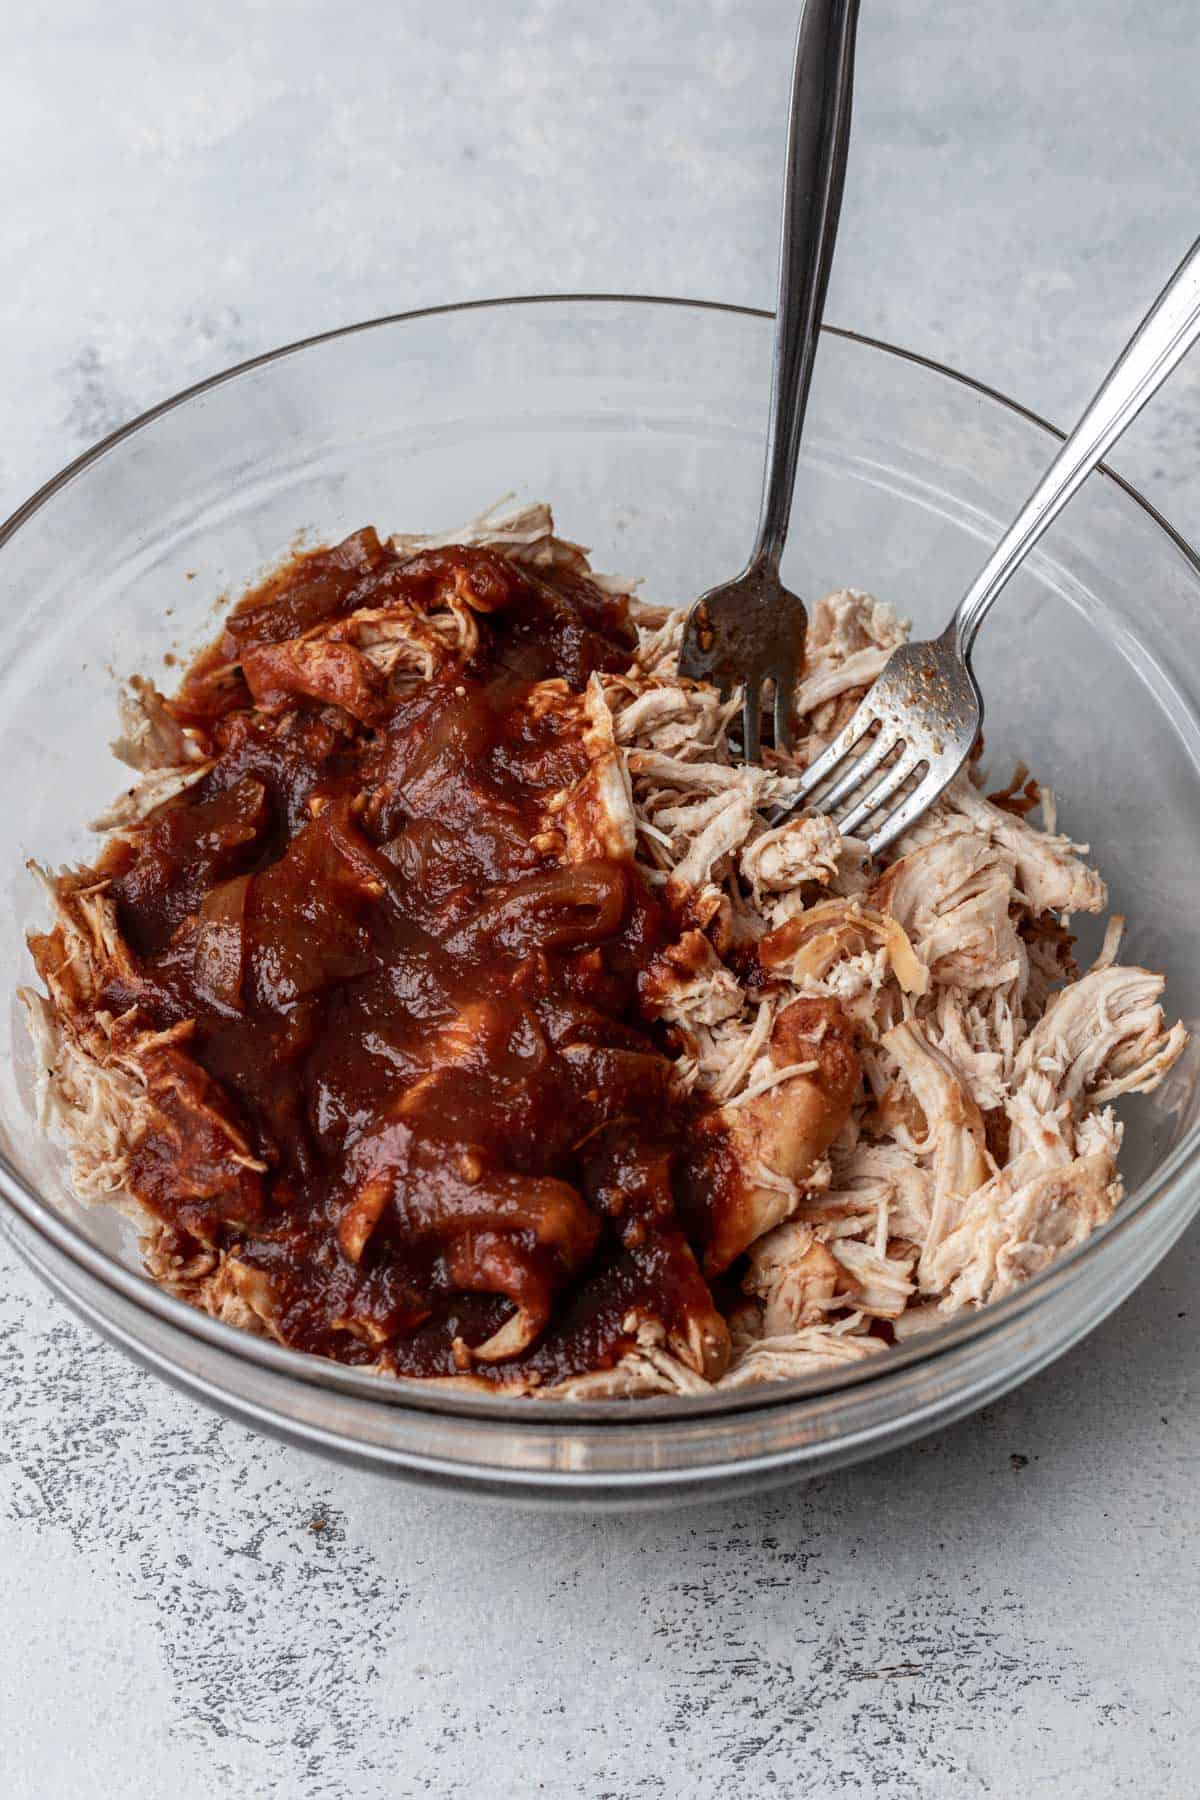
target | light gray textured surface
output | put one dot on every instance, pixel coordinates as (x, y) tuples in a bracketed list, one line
[(189, 1610)]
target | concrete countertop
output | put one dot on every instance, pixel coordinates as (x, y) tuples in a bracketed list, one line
[(190, 1610)]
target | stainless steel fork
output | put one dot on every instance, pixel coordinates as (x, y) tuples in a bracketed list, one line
[(751, 630), (918, 724)]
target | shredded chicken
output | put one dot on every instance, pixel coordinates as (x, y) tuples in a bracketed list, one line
[(918, 1088)]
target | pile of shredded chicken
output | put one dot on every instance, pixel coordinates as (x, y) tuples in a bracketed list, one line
[(913, 1082)]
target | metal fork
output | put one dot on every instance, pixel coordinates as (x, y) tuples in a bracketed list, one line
[(751, 630), (918, 724)]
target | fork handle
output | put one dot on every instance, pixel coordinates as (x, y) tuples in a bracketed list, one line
[(818, 140), (1164, 336)]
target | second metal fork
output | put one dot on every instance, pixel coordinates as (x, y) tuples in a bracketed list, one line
[(918, 724), (751, 630)]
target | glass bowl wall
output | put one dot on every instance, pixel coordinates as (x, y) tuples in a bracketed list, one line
[(642, 422)]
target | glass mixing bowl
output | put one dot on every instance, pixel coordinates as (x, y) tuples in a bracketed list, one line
[(642, 421)]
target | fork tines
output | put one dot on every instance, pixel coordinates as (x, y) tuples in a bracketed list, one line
[(868, 769)]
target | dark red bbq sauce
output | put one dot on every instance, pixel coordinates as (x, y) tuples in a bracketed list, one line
[(427, 1030)]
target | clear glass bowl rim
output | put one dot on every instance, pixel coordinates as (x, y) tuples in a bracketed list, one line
[(1048, 1289)]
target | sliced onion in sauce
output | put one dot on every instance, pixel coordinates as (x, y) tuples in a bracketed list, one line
[(583, 903), (221, 943)]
